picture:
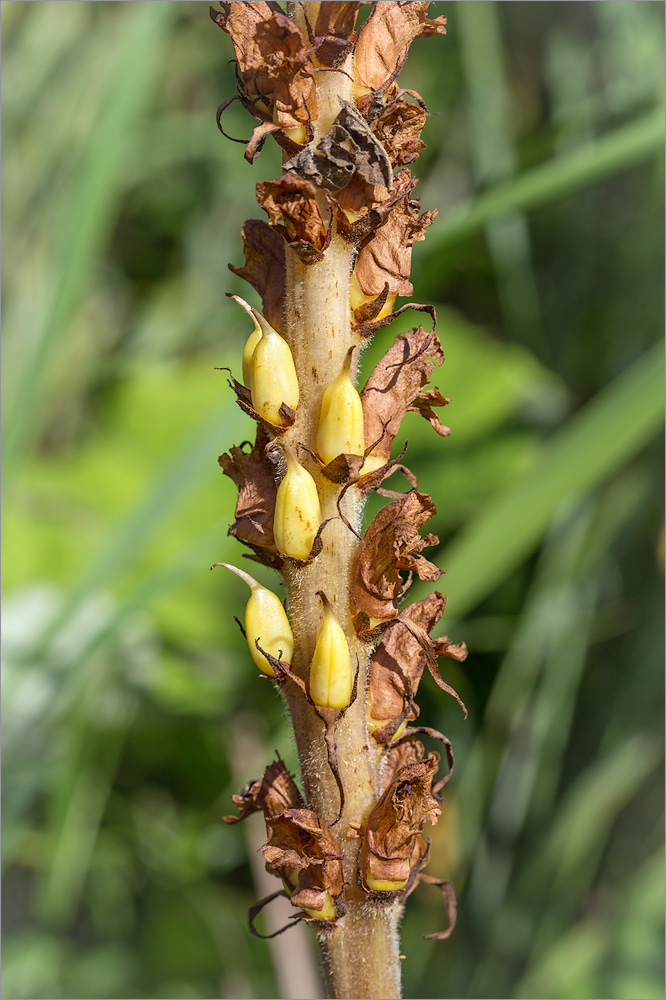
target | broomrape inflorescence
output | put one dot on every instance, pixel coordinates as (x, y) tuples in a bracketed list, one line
[(329, 266)]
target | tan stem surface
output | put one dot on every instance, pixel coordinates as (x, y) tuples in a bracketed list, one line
[(361, 953)]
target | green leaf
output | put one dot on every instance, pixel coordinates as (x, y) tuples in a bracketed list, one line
[(592, 445)]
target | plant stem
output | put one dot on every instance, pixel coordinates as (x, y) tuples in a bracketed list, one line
[(361, 953)]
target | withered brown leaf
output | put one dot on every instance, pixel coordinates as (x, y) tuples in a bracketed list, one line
[(271, 795), (298, 839), (335, 25), (385, 38), (392, 543), (395, 388), (397, 665), (395, 823), (386, 254), (399, 128), (291, 205), (252, 473), (273, 59), (264, 268)]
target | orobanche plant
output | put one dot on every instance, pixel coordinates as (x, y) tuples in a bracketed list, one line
[(346, 654)]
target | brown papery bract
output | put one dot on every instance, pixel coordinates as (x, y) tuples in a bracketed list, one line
[(264, 268), (396, 822), (385, 38), (395, 388), (392, 543), (253, 474), (385, 257), (291, 205), (271, 795), (335, 24), (273, 60)]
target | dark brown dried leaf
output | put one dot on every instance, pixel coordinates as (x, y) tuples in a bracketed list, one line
[(386, 254), (299, 839), (395, 387), (395, 823), (272, 794), (392, 543), (291, 204), (397, 665), (399, 128), (385, 38), (264, 268), (255, 507), (272, 57), (335, 20)]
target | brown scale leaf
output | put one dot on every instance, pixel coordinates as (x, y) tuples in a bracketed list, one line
[(385, 38), (362, 206), (392, 543), (397, 665), (398, 128), (264, 268), (299, 839), (386, 254), (407, 751), (272, 57), (393, 829), (395, 388), (271, 795), (335, 20), (291, 205), (252, 473)]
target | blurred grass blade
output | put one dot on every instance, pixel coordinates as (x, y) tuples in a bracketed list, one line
[(170, 490), (88, 211), (594, 443), (621, 149)]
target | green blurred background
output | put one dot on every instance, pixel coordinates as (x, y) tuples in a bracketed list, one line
[(131, 710)]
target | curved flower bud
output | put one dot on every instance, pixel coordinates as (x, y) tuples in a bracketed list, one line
[(297, 511), (268, 367), (266, 622), (331, 677), (341, 419)]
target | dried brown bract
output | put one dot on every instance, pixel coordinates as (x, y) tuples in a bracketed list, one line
[(302, 850), (264, 268), (390, 843), (385, 257), (392, 543), (273, 61), (397, 665), (252, 473), (395, 387), (385, 38), (271, 795), (333, 31), (291, 205)]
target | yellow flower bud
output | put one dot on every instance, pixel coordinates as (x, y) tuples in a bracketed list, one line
[(383, 885), (371, 464), (341, 419), (297, 511), (358, 298), (251, 341), (268, 368), (266, 622), (331, 677), (327, 912)]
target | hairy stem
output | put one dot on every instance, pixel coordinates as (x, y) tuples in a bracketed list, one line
[(361, 953)]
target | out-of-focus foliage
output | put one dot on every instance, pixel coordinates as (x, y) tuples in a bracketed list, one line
[(124, 676)]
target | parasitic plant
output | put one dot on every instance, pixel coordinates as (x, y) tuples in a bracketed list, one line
[(347, 655)]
